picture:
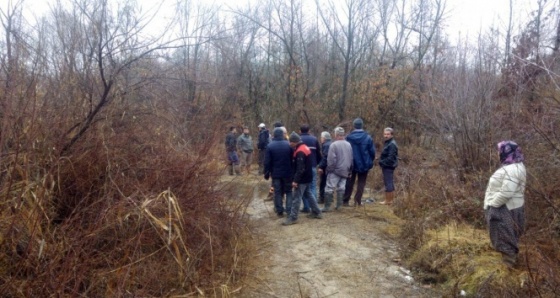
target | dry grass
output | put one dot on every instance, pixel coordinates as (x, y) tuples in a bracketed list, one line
[(129, 212), (445, 241)]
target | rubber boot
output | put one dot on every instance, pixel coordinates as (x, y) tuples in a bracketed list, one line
[(328, 202), (237, 170), (339, 199), (388, 199)]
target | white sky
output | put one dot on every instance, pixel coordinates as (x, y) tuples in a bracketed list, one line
[(463, 16), (469, 16)]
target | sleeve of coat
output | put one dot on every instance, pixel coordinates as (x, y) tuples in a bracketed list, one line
[(392, 156), (371, 150), (508, 188), (267, 161), (319, 154), (331, 159), (300, 167)]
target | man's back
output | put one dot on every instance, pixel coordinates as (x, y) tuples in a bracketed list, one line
[(313, 144), (363, 150), (278, 159), (340, 158)]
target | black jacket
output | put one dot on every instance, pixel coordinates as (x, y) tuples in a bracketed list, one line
[(302, 164), (389, 155), (264, 138), (325, 151)]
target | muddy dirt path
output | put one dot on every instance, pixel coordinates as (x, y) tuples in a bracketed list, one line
[(345, 254)]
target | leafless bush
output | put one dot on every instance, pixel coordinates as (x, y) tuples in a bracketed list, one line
[(129, 212)]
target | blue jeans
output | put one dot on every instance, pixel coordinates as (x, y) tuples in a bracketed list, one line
[(233, 158), (282, 186), (313, 188), (303, 191)]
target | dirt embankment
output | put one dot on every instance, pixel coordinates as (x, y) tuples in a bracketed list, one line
[(345, 254)]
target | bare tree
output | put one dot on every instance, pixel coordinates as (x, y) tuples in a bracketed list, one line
[(353, 21), (109, 43)]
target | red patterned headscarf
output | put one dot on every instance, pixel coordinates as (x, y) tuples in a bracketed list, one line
[(510, 152)]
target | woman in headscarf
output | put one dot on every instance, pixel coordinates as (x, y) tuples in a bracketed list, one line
[(504, 202)]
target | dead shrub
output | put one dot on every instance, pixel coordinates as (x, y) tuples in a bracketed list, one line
[(133, 210)]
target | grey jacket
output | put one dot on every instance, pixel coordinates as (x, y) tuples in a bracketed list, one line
[(340, 158), (245, 143)]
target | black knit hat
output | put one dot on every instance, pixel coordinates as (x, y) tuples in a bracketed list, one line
[(358, 123)]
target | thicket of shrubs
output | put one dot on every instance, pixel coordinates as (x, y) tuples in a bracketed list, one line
[(445, 238), (132, 210)]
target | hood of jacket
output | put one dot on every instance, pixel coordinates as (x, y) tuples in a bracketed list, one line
[(357, 136)]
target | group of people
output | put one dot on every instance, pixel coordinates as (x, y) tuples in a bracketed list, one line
[(296, 161)]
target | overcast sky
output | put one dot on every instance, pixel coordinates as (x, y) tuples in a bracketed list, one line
[(469, 16), (464, 16)]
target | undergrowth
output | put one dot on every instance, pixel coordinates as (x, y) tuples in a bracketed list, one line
[(133, 210), (444, 236)]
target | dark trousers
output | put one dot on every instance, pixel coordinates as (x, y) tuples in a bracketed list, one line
[(322, 186), (261, 160), (362, 177), (282, 186)]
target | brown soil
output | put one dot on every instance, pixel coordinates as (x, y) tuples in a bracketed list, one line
[(345, 254)]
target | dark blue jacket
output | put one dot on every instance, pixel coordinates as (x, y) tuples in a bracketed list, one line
[(278, 158), (362, 149), (389, 155), (231, 142), (313, 145), (264, 138), (325, 151)]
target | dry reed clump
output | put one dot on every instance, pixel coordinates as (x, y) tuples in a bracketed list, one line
[(128, 213), (460, 258)]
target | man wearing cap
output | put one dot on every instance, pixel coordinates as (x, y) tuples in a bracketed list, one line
[(364, 155), (303, 176), (278, 165), (313, 144), (339, 167), (263, 141), (325, 144)]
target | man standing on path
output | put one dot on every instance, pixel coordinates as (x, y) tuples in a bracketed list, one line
[(313, 144), (303, 176), (263, 141), (322, 166), (231, 150), (245, 144), (339, 167), (388, 161), (278, 165), (364, 154)]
